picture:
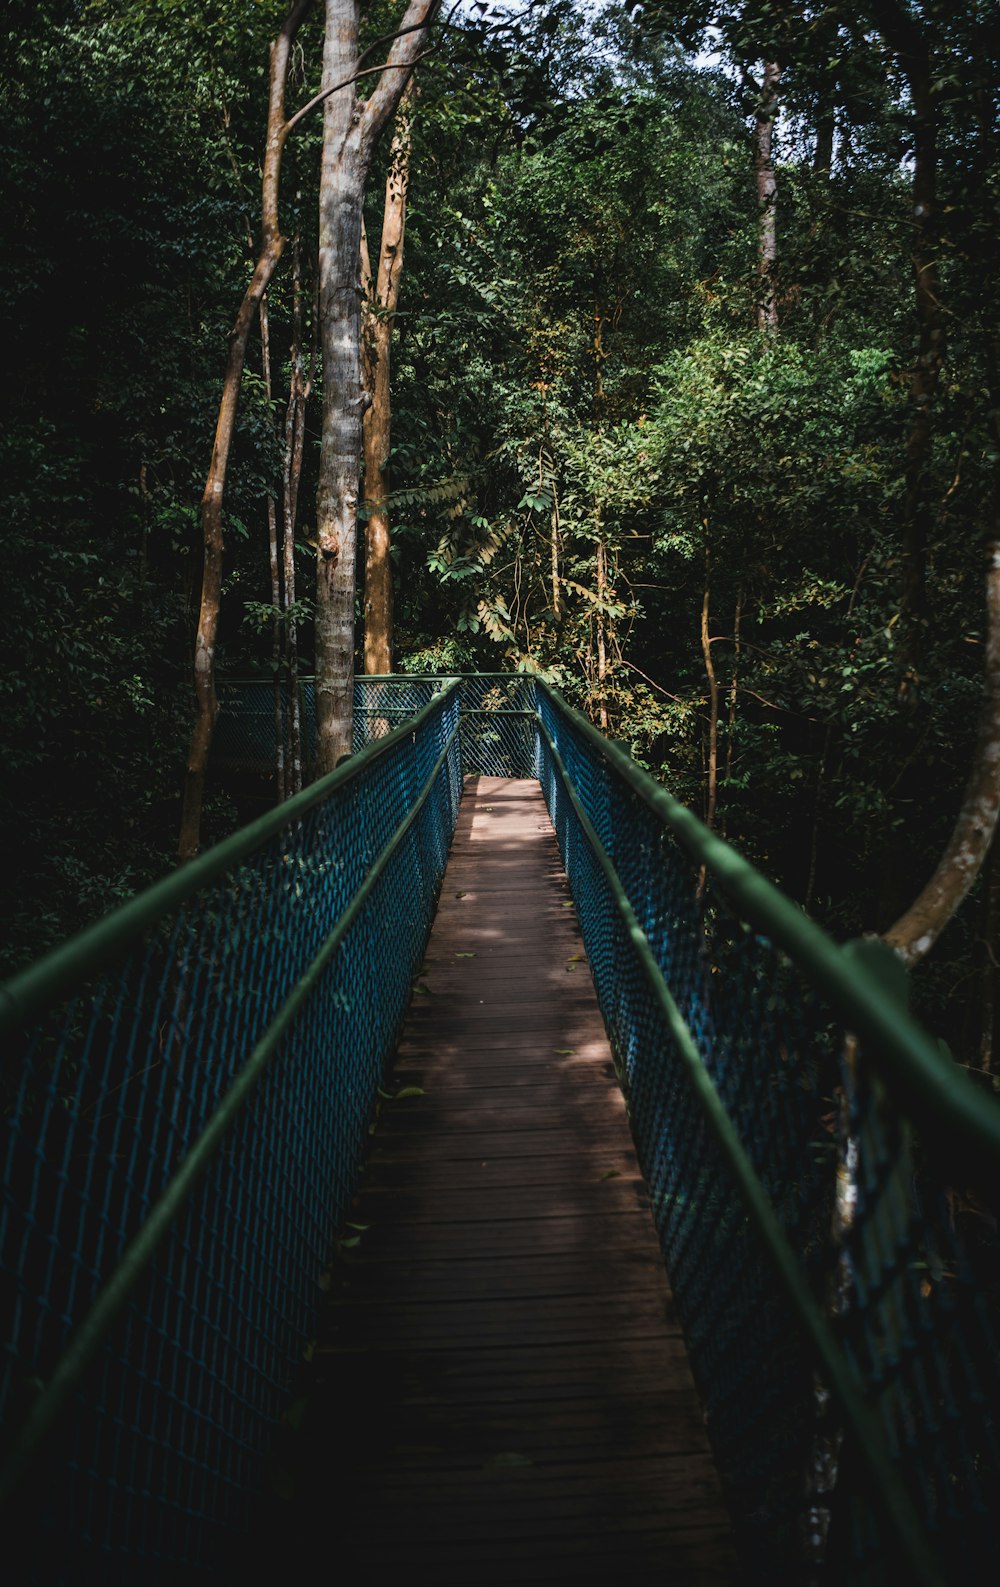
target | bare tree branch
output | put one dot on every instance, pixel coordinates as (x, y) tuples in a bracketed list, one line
[(916, 931)]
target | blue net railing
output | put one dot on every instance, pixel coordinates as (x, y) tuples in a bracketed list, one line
[(187, 1096), (187, 1091), (811, 1160), (498, 720)]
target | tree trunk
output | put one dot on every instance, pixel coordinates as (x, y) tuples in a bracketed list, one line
[(350, 130), (826, 128), (916, 931), (272, 244), (381, 298), (556, 595), (713, 695), (988, 1005), (602, 633), (734, 684), (281, 788), (905, 39), (767, 198), (299, 392)]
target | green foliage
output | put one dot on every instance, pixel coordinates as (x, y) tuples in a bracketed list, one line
[(575, 370), (127, 226)]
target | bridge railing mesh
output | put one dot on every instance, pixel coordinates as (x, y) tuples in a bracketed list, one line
[(498, 717), (187, 1090), (810, 1157)]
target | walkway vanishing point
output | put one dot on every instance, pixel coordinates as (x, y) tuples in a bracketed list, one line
[(503, 1394)]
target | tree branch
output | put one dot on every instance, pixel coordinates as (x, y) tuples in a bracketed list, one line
[(381, 103), (369, 71), (916, 931)]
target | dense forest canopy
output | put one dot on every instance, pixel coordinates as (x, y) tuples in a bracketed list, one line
[(694, 375)]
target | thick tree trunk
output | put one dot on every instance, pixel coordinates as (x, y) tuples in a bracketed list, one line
[(767, 198), (916, 931), (381, 298), (342, 186), (350, 130), (272, 244)]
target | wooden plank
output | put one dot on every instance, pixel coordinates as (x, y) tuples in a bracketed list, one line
[(501, 1392)]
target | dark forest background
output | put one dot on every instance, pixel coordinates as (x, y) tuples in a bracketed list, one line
[(593, 354)]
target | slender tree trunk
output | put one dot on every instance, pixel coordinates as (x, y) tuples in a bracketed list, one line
[(381, 298), (826, 129), (602, 635), (904, 37), (923, 390), (988, 1005), (713, 692), (350, 130), (916, 931), (767, 198), (599, 357), (554, 524), (281, 789), (734, 684), (272, 244), (543, 457), (299, 392)]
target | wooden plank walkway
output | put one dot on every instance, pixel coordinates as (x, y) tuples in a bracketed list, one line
[(503, 1391)]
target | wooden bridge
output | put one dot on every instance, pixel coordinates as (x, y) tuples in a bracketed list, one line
[(501, 1358), (491, 1381)]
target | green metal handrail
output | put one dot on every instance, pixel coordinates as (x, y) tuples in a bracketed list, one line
[(889, 1491), (406, 853), (52, 978), (893, 1350), (865, 980)]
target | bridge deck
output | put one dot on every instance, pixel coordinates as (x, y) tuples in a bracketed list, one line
[(503, 1391)]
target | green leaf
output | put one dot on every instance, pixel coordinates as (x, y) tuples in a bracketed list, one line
[(409, 1091)]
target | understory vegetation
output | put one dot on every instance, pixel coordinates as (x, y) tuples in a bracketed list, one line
[(694, 413)]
